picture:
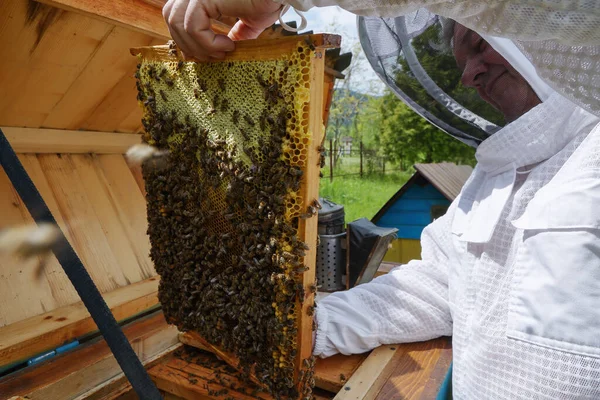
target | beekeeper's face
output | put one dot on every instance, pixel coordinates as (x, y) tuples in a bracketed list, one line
[(496, 81)]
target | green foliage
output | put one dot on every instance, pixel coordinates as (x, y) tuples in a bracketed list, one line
[(406, 138)]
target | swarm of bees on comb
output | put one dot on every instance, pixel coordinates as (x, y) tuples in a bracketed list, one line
[(225, 204)]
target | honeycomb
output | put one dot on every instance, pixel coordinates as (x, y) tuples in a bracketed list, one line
[(224, 207)]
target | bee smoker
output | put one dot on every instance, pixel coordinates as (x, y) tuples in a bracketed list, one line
[(331, 250)]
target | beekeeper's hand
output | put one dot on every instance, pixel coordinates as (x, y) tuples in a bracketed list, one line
[(189, 24)]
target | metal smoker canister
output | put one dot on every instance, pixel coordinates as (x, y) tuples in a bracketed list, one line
[(331, 251)]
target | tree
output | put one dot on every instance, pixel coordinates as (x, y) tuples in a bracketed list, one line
[(407, 138)]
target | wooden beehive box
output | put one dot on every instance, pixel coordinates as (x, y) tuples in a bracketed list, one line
[(69, 110)]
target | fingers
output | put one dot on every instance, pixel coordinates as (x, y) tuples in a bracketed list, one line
[(242, 31), (189, 24)]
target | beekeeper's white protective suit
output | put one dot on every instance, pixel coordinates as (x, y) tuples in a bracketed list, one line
[(512, 271)]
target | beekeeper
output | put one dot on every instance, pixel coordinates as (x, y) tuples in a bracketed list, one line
[(512, 270)]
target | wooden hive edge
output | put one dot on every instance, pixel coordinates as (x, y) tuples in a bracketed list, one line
[(248, 50)]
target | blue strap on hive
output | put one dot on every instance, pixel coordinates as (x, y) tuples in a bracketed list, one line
[(79, 277)]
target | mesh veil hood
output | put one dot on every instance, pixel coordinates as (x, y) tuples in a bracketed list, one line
[(407, 55)]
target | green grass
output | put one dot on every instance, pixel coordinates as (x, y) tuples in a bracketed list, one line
[(362, 197)]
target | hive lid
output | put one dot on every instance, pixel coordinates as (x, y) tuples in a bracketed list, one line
[(330, 211)]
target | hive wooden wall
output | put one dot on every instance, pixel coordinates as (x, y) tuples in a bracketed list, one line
[(99, 204), (64, 70), (67, 71)]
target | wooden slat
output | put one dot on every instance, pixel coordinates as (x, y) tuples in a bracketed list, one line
[(96, 187), (418, 371), (26, 338), (68, 376), (109, 64), (136, 171), (195, 340), (22, 293), (309, 192), (333, 372), (77, 207), (119, 386), (141, 15), (132, 14), (253, 50), (43, 51), (119, 110), (370, 377), (190, 380), (129, 205), (36, 140)]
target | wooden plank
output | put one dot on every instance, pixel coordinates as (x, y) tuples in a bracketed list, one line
[(309, 192), (41, 141), (61, 288), (118, 386), (133, 14), (139, 15), (43, 51), (78, 210), (195, 340), (26, 338), (109, 64), (119, 110), (136, 171), (187, 378), (254, 50), (130, 207), (74, 373), (333, 372), (22, 293), (370, 377), (96, 188), (413, 370)]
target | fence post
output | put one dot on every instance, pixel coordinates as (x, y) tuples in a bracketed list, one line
[(361, 159), (330, 160)]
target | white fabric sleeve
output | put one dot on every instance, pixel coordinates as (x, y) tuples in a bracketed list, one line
[(409, 304)]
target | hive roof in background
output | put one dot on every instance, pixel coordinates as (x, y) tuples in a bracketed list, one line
[(448, 178)]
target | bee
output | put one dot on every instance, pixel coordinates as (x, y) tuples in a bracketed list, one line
[(202, 85), (249, 120), (171, 44), (225, 105), (169, 82), (310, 311), (196, 93), (221, 83), (163, 95), (261, 80), (179, 65), (317, 205), (310, 43), (236, 117)]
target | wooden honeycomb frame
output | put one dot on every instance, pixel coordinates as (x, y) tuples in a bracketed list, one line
[(264, 50)]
